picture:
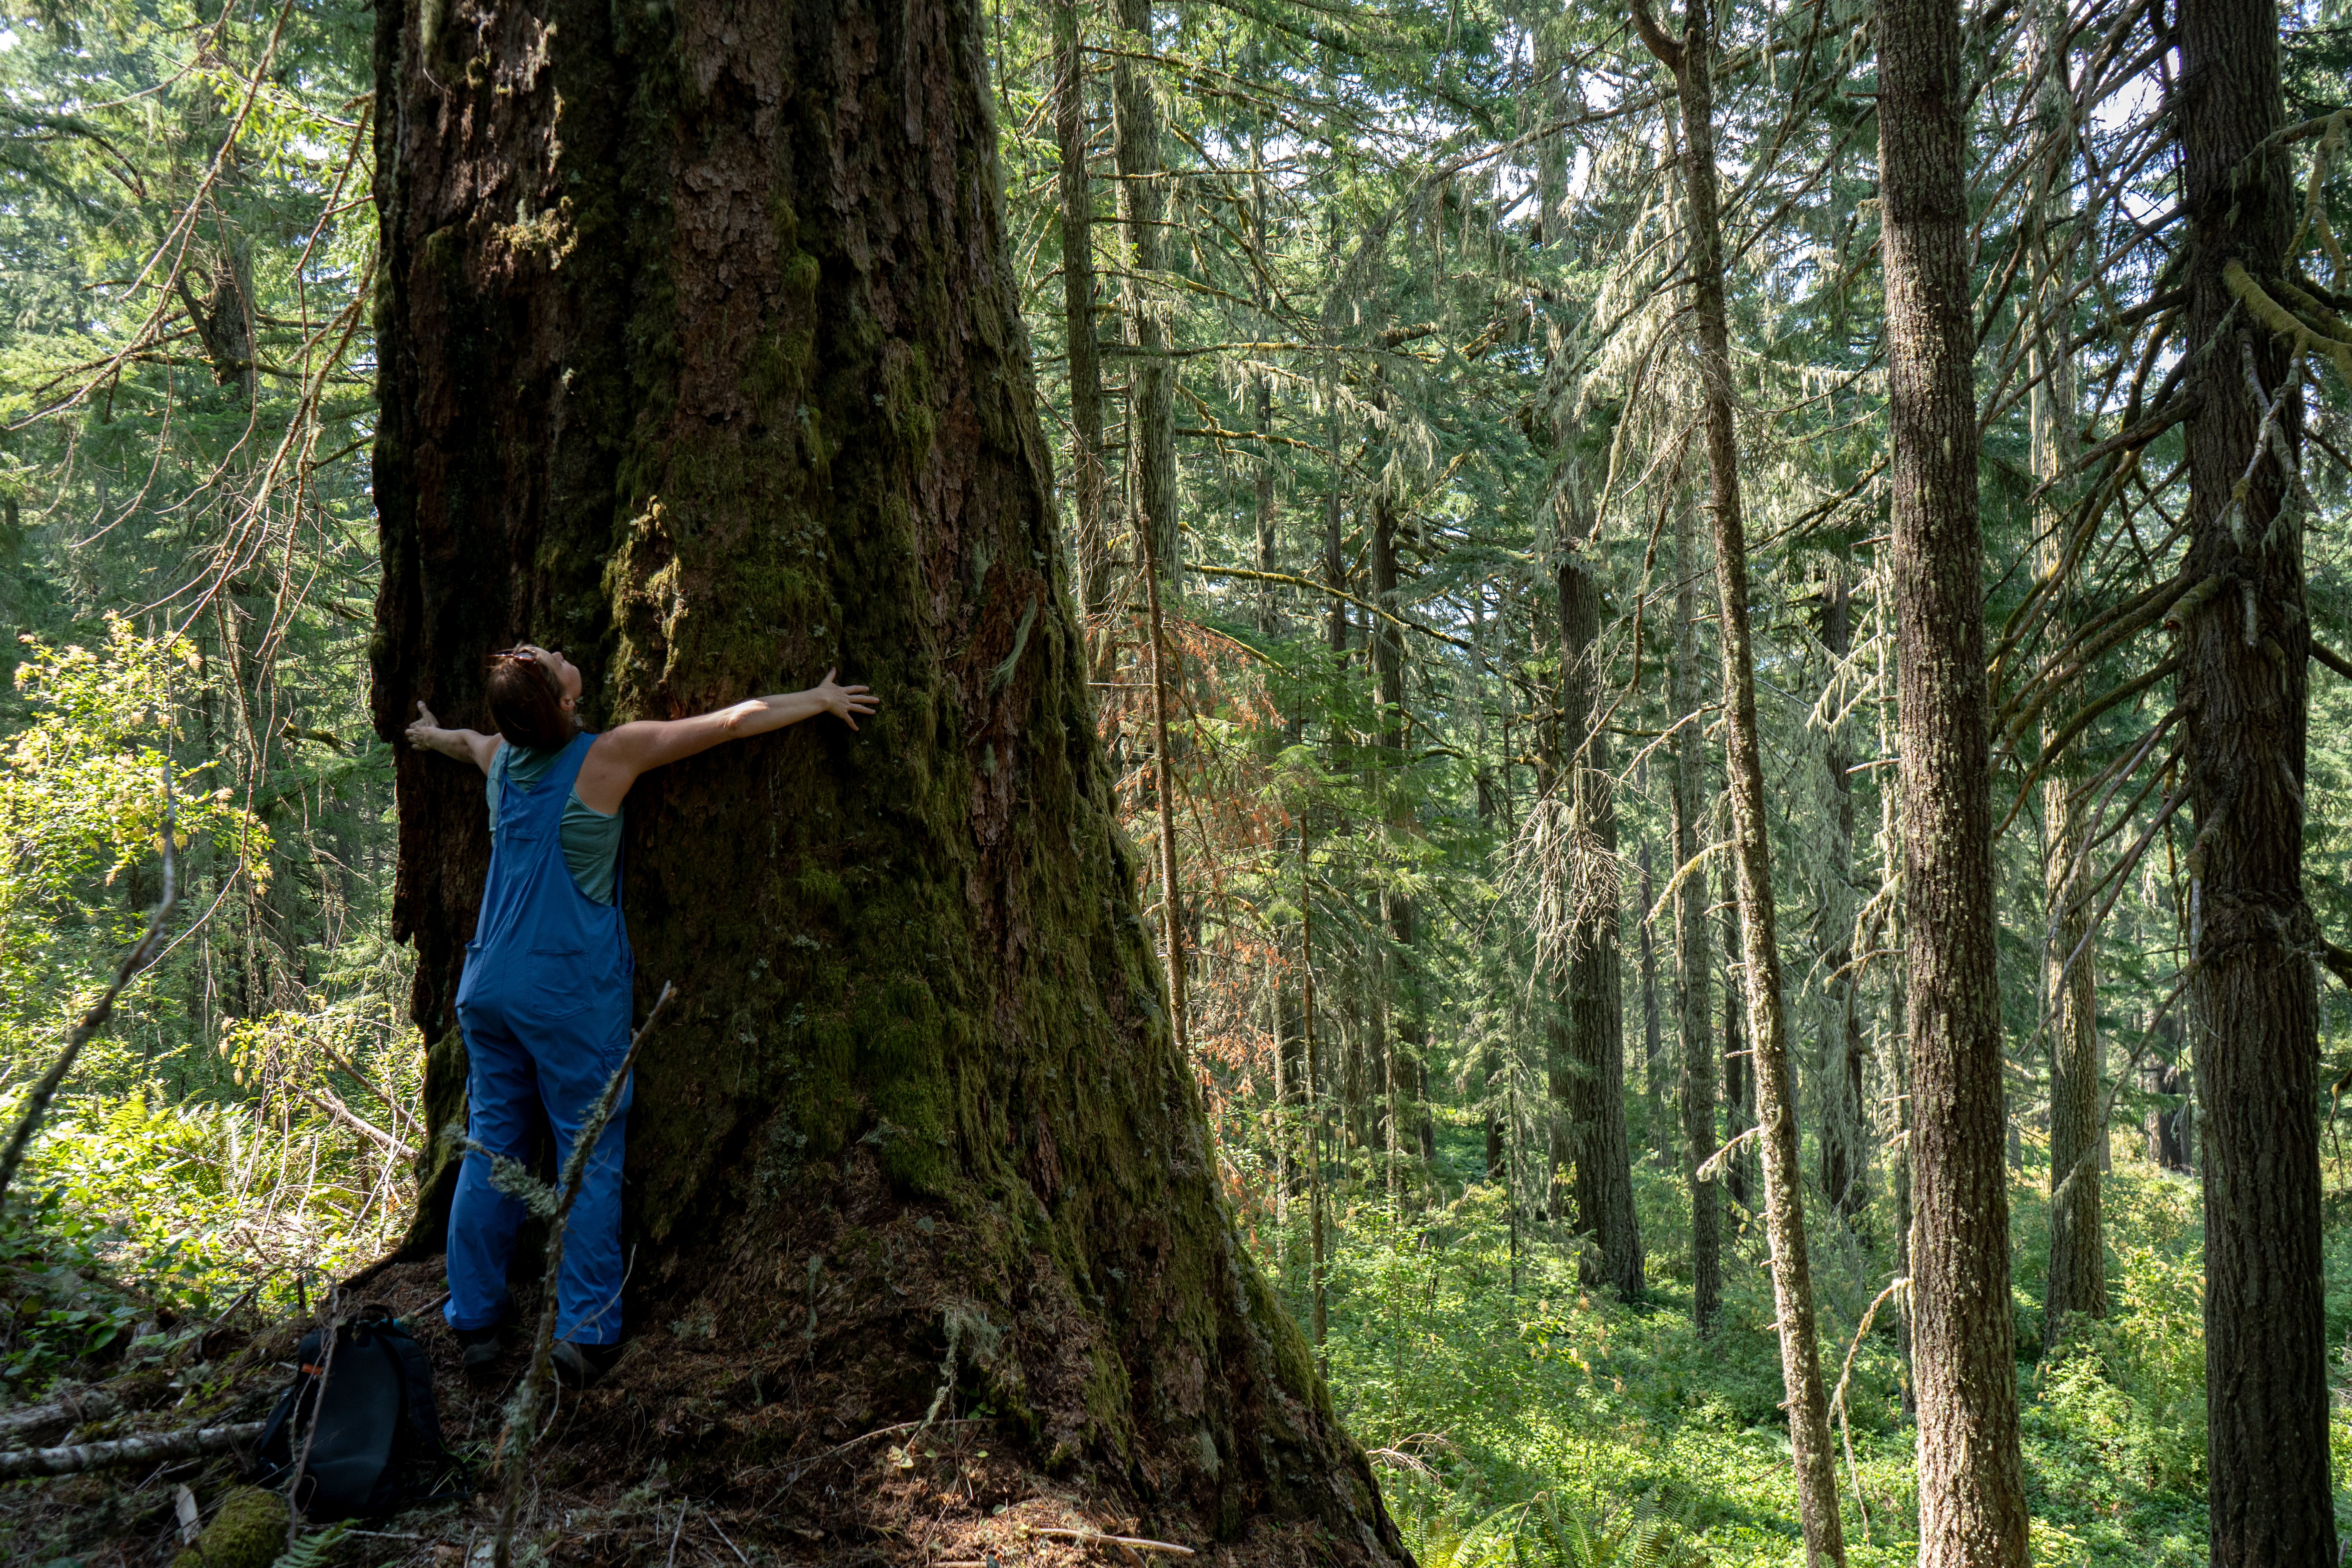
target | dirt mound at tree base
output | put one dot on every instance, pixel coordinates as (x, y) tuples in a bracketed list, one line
[(683, 1455)]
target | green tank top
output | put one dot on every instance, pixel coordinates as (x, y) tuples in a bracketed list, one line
[(592, 840)]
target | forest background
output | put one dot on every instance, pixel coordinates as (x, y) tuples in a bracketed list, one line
[(1386, 311)]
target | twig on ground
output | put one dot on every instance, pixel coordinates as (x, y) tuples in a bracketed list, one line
[(712, 1521), (806, 1466), (192, 1443), (1096, 1537), (522, 1417), (36, 1104)]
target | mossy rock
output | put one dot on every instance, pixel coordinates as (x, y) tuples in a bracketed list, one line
[(249, 1531)]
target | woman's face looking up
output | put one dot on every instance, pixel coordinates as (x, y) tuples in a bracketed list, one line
[(566, 673)]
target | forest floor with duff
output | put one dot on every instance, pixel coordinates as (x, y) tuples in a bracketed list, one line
[(1515, 1418), (944, 1491)]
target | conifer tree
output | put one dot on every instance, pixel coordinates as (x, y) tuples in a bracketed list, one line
[(1690, 58), (2252, 1020), (2078, 1283), (1971, 1483), (1694, 1034), (774, 411)]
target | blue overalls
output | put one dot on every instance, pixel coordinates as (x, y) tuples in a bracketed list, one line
[(545, 1009)]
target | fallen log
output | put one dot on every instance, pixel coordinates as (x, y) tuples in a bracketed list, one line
[(191, 1443), (96, 1404)]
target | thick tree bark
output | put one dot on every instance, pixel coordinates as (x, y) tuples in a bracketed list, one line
[(2253, 1003), (2078, 1272), (1089, 482), (1690, 58), (699, 360), (1846, 1132), (1143, 212), (1694, 964), (1971, 1485), (1592, 993)]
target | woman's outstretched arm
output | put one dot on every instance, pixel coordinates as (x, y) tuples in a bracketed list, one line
[(465, 745), (621, 754)]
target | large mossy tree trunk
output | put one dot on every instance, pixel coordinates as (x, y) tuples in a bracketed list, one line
[(1971, 1484), (2252, 1001), (701, 363)]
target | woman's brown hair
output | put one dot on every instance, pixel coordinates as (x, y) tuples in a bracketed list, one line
[(525, 704)]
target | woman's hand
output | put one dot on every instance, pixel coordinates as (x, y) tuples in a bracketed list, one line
[(425, 732), (423, 727), (846, 703), (621, 754)]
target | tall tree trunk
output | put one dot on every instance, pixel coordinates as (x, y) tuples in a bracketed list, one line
[(1906, 1213), (774, 411), (2253, 1004), (1690, 58), (1694, 966), (1588, 1055), (1090, 483), (1739, 1066), (2167, 1131), (1550, 818), (1262, 388), (2168, 1143), (1971, 1487), (1143, 212), (1898, 1036), (1335, 561), (2078, 1272), (1594, 1000), (1317, 1099), (1654, 1031), (1845, 1053), (1281, 1022), (1163, 790), (1402, 977)]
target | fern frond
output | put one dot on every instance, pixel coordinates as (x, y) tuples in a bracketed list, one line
[(311, 1551)]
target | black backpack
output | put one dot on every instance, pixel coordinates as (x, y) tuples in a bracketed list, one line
[(374, 1432)]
